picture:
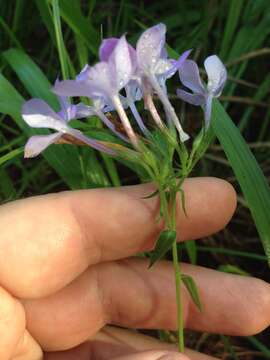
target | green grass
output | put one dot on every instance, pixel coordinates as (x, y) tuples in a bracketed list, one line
[(42, 40)]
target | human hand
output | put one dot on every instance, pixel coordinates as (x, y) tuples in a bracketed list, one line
[(66, 272)]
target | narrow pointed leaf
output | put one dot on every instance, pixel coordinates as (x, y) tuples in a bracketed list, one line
[(249, 174), (12, 154), (30, 75), (233, 269), (164, 244), (192, 289), (153, 194), (82, 27)]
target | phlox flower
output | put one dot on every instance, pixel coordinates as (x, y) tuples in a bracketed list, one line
[(105, 80), (155, 68), (38, 114), (202, 95)]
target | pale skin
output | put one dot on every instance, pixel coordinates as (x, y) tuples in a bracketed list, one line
[(68, 269)]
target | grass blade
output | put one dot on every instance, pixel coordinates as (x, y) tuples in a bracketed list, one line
[(30, 75), (249, 175), (231, 25), (72, 15), (9, 156), (59, 39)]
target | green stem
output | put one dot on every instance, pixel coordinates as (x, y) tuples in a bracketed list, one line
[(178, 282), (169, 214)]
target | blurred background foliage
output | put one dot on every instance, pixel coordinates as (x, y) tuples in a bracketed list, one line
[(39, 44)]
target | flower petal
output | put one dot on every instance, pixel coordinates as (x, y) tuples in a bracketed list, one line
[(37, 143), (150, 46), (120, 64), (84, 111), (190, 77), (194, 99), (83, 75), (133, 91), (163, 66), (72, 88), (217, 75), (36, 113), (64, 104), (178, 63), (106, 48)]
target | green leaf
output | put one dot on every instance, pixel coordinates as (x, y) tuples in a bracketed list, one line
[(45, 14), (260, 346), (153, 194), (183, 201), (163, 244), (191, 248), (231, 25), (12, 154), (232, 269), (82, 27), (59, 39), (192, 289), (249, 174), (31, 76)]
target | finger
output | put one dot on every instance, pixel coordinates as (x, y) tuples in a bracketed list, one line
[(27, 349), (15, 342), (127, 294), (112, 342), (12, 324), (60, 235), (154, 355)]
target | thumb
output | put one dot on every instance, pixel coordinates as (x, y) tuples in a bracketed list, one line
[(154, 355)]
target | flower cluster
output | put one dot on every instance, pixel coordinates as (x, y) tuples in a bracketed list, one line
[(122, 77)]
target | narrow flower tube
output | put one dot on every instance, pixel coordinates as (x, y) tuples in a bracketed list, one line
[(125, 121), (169, 108)]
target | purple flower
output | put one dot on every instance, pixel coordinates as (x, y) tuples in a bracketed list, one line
[(156, 68), (104, 80), (201, 95), (37, 114), (152, 57), (132, 88)]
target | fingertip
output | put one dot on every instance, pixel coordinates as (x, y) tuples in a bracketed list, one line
[(224, 198), (210, 204)]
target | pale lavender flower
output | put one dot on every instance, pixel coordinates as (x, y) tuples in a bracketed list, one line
[(155, 68), (104, 80), (132, 88), (37, 114), (201, 95), (152, 57)]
